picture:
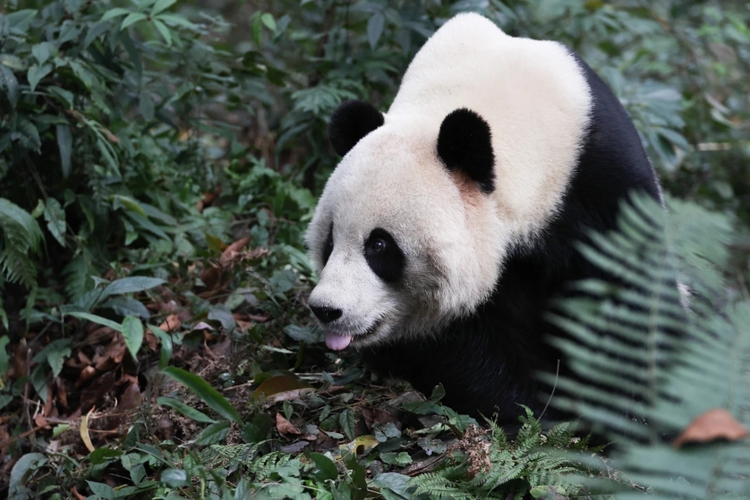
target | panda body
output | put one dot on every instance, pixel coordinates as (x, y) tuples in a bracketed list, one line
[(451, 220)]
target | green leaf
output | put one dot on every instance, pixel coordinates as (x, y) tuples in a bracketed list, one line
[(213, 434), (83, 73), (326, 468), (100, 455), (163, 30), (36, 73), (98, 320), (186, 410), (116, 12), (166, 345), (62, 95), (161, 5), (132, 332), (174, 478), (269, 21), (13, 62), (348, 421), (21, 20), (255, 30), (43, 51), (65, 146), (101, 490), (375, 26), (22, 469), (55, 217), (220, 313), (10, 83), (203, 389), (131, 284), (132, 18), (4, 356), (176, 20), (54, 354), (129, 203)]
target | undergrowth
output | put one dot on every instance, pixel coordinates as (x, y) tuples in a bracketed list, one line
[(158, 166)]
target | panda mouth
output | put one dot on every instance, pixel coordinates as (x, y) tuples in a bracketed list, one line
[(339, 341)]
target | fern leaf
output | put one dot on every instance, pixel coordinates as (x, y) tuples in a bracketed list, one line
[(19, 226), (673, 377), (17, 266), (21, 237), (436, 486), (78, 274)]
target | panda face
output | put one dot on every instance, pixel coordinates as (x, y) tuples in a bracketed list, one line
[(401, 243), (473, 158)]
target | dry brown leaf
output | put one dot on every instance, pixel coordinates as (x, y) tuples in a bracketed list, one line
[(62, 393), (289, 395), (284, 426), (40, 421), (85, 375), (279, 383), (713, 424), (171, 324), (131, 398), (77, 495), (232, 250), (112, 356), (84, 431)]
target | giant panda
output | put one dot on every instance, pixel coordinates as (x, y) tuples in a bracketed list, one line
[(451, 221)]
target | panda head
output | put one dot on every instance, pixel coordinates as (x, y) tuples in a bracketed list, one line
[(406, 235)]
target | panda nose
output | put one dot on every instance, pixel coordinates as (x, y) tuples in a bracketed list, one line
[(326, 314)]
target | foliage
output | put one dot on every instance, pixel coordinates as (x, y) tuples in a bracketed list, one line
[(680, 366), (530, 465), (158, 166)]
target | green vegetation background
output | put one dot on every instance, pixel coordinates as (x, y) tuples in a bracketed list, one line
[(140, 139)]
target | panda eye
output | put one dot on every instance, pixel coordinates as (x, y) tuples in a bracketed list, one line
[(384, 256), (378, 246)]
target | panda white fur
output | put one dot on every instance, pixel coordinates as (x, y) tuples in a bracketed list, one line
[(451, 221)]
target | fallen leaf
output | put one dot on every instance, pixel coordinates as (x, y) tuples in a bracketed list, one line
[(165, 428), (279, 383), (232, 250), (85, 375), (713, 424), (40, 421), (171, 324), (84, 431), (62, 393), (284, 426), (131, 398), (289, 395), (379, 416), (360, 445), (294, 447), (77, 495)]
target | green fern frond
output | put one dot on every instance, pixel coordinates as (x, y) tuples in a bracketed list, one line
[(78, 274), (17, 267), (437, 486), (19, 226), (21, 237), (655, 364)]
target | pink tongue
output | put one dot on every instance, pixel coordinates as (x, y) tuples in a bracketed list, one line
[(337, 342)]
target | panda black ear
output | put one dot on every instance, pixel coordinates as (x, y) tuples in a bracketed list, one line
[(465, 143), (350, 122)]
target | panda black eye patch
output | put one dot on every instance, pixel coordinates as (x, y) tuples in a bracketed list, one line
[(384, 256), (328, 246)]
